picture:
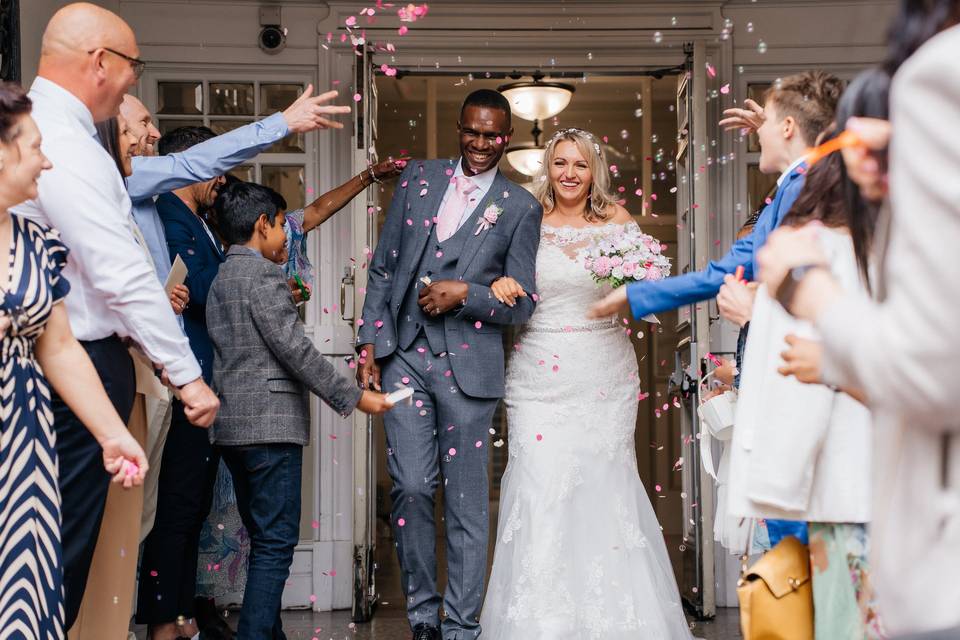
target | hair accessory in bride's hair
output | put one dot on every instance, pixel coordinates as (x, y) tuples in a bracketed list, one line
[(571, 130)]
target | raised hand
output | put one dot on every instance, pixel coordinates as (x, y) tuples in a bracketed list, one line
[(389, 169), (863, 161), (309, 112), (507, 290), (751, 117)]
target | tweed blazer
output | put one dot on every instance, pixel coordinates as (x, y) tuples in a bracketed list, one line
[(474, 333), (264, 364)]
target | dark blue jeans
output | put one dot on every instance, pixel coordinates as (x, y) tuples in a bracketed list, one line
[(266, 479)]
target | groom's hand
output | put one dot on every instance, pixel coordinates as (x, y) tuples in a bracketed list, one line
[(368, 371), (439, 297)]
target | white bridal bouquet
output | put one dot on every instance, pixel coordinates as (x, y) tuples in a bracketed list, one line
[(628, 256)]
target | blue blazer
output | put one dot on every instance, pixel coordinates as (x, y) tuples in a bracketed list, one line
[(474, 332), (187, 237), (664, 295)]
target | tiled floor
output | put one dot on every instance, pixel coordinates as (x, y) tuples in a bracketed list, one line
[(390, 624)]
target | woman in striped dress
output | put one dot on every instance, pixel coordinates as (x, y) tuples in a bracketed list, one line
[(36, 346)]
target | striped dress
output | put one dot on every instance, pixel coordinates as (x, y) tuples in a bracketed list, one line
[(31, 568)]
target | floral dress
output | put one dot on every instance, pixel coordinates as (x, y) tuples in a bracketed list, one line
[(31, 564)]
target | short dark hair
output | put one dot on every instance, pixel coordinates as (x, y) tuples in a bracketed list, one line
[(277, 198), (182, 138), (13, 104), (487, 98), (108, 132), (238, 208)]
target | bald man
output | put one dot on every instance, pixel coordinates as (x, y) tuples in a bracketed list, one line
[(88, 60)]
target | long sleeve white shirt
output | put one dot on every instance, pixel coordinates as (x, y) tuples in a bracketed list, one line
[(114, 289)]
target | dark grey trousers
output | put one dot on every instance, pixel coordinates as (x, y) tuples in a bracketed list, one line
[(444, 435)]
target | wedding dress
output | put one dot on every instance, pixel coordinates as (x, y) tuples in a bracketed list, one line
[(579, 552)]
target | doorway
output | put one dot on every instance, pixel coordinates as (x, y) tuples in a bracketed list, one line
[(635, 117)]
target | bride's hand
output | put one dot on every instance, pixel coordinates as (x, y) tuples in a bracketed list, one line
[(615, 303), (507, 290)]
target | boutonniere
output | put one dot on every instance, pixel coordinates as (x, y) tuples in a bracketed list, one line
[(489, 218)]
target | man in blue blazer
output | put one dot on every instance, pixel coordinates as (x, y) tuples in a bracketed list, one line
[(430, 322), (795, 112), (189, 463)]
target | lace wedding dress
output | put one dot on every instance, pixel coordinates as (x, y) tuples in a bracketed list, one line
[(579, 552)]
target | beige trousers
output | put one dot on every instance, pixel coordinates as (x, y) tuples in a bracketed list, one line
[(128, 517), (108, 599)]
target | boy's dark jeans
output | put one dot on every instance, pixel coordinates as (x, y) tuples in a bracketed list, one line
[(266, 479)]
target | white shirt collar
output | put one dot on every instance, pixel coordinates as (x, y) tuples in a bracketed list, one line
[(71, 103), (483, 180), (793, 165)]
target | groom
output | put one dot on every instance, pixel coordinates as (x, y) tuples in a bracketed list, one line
[(430, 322)]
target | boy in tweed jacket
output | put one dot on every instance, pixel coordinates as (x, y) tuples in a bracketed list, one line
[(264, 366)]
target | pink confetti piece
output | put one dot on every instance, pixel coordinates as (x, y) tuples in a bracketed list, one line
[(357, 97), (403, 30), (401, 522), (711, 71), (478, 444), (657, 488), (452, 451), (539, 437), (423, 192), (725, 89), (351, 21), (477, 324)]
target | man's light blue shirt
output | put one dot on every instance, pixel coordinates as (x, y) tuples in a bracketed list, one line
[(648, 297), (153, 175)]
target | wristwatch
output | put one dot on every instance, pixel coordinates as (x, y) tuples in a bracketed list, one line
[(788, 288)]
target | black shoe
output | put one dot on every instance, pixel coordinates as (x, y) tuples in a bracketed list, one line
[(423, 631), (211, 622)]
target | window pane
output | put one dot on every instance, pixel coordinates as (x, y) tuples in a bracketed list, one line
[(287, 181), (231, 99), (759, 187), (167, 125), (291, 144), (180, 97), (277, 97), (243, 172), (755, 92), (222, 126)]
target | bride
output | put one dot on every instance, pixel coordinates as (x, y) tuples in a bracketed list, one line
[(579, 552)]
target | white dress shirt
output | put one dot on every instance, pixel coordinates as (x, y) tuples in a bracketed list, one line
[(483, 182), (114, 289)]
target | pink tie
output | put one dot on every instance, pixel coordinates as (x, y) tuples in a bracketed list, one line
[(449, 220)]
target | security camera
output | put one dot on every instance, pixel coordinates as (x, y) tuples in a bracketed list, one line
[(273, 36)]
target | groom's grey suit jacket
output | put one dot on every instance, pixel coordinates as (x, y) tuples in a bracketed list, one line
[(474, 332)]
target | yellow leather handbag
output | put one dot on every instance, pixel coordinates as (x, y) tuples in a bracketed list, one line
[(776, 595)]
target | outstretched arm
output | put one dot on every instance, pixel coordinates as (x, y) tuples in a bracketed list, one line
[(321, 209), (153, 175)]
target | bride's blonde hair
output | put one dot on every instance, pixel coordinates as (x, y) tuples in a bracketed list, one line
[(600, 198)]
